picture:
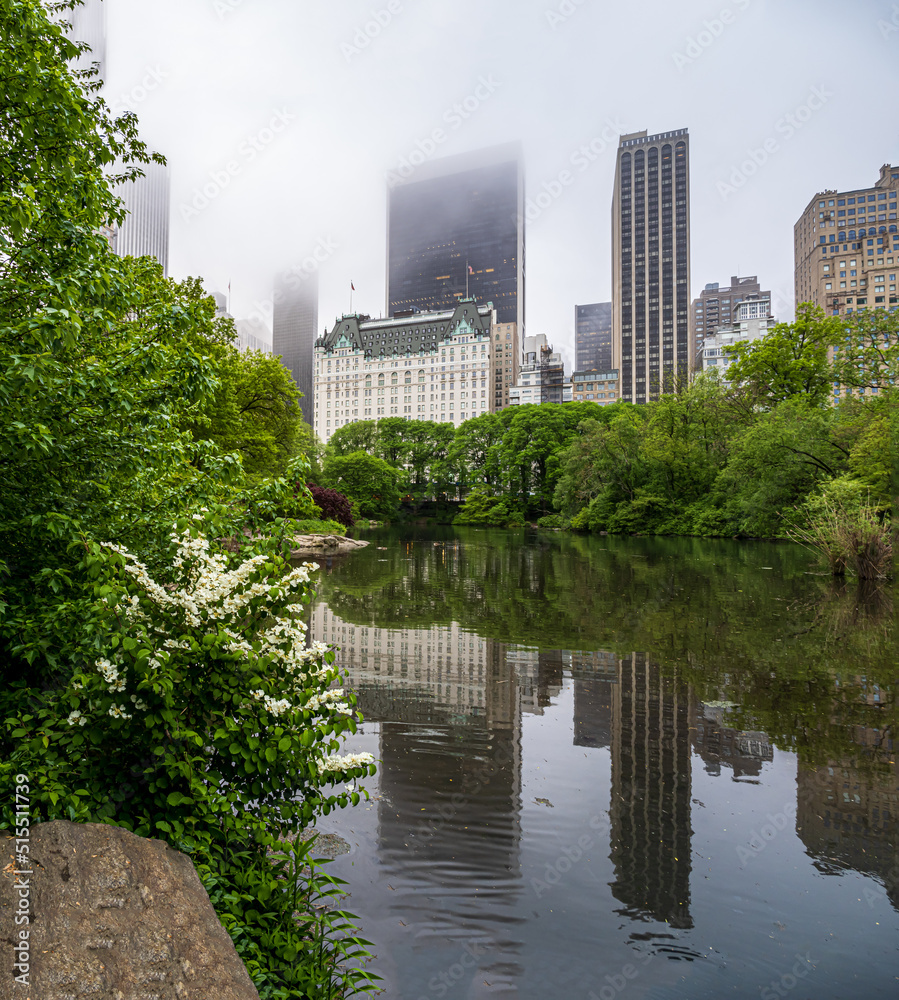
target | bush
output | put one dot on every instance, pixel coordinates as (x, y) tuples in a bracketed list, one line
[(333, 505), (553, 521), (310, 527), (198, 715)]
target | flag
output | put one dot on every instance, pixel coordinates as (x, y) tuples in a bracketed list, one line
[(470, 269), (352, 287)]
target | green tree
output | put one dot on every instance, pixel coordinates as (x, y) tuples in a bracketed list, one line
[(365, 479), (867, 355), (255, 411), (473, 453), (361, 435), (790, 361)]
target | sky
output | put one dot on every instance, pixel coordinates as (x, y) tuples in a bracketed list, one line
[(281, 120)]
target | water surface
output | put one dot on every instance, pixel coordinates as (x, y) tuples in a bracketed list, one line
[(645, 767)]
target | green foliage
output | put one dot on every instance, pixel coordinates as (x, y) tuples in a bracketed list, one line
[(366, 479), (481, 507), (323, 527), (124, 410), (558, 521), (254, 411), (199, 690), (790, 362)]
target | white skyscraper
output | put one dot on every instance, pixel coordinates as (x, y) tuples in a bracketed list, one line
[(145, 232)]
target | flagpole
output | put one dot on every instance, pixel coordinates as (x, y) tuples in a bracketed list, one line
[(467, 272), (351, 297)]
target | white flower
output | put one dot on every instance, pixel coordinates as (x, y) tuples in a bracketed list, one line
[(118, 712), (338, 764), (139, 704), (76, 718)]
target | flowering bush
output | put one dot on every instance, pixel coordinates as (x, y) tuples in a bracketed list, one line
[(203, 717)]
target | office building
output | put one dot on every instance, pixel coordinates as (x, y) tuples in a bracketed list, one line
[(455, 230), (506, 362), (596, 387), (717, 306), (846, 246), (294, 330), (651, 340), (147, 199), (593, 337), (541, 378), (753, 320), (421, 366), (145, 230)]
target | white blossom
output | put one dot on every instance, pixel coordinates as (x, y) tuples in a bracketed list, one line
[(118, 712), (76, 718), (338, 764)]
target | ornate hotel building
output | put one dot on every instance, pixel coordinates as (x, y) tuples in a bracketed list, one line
[(651, 341), (421, 366)]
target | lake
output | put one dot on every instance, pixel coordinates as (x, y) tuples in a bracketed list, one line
[(637, 767)]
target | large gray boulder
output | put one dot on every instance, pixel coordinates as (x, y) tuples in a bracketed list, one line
[(114, 917)]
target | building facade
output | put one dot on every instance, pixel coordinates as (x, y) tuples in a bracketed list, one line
[(753, 320), (717, 306), (651, 340), (506, 362), (421, 366), (294, 331), (593, 337), (597, 387), (846, 247), (541, 378), (145, 230), (455, 229)]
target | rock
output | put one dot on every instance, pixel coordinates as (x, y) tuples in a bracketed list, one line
[(115, 917), (310, 545)]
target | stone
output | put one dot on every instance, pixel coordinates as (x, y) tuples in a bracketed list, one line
[(114, 917), (311, 545)]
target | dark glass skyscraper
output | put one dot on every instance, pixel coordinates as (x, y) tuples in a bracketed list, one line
[(455, 214), (593, 337), (651, 263)]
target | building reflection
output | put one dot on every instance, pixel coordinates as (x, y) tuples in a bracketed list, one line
[(650, 807), (720, 747)]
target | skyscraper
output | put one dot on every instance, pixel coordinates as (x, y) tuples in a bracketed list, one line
[(145, 231), (593, 337), (455, 230), (651, 340), (294, 326)]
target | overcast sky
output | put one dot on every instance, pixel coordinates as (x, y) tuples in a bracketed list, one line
[(290, 113)]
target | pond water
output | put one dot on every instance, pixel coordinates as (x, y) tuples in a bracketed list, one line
[(635, 767)]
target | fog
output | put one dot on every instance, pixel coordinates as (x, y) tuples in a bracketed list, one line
[(281, 119)]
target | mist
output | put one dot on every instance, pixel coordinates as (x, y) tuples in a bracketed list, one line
[(281, 121)]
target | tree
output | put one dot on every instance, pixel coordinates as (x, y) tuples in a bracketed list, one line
[(255, 411), (361, 435), (867, 355), (790, 361), (367, 479), (472, 453)]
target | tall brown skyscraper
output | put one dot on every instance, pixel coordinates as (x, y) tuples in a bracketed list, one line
[(651, 340)]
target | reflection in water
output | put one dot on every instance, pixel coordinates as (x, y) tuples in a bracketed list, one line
[(438, 641), (650, 807)]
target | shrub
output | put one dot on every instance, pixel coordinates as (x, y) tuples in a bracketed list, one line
[(553, 521), (310, 527), (334, 505), (199, 715)]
